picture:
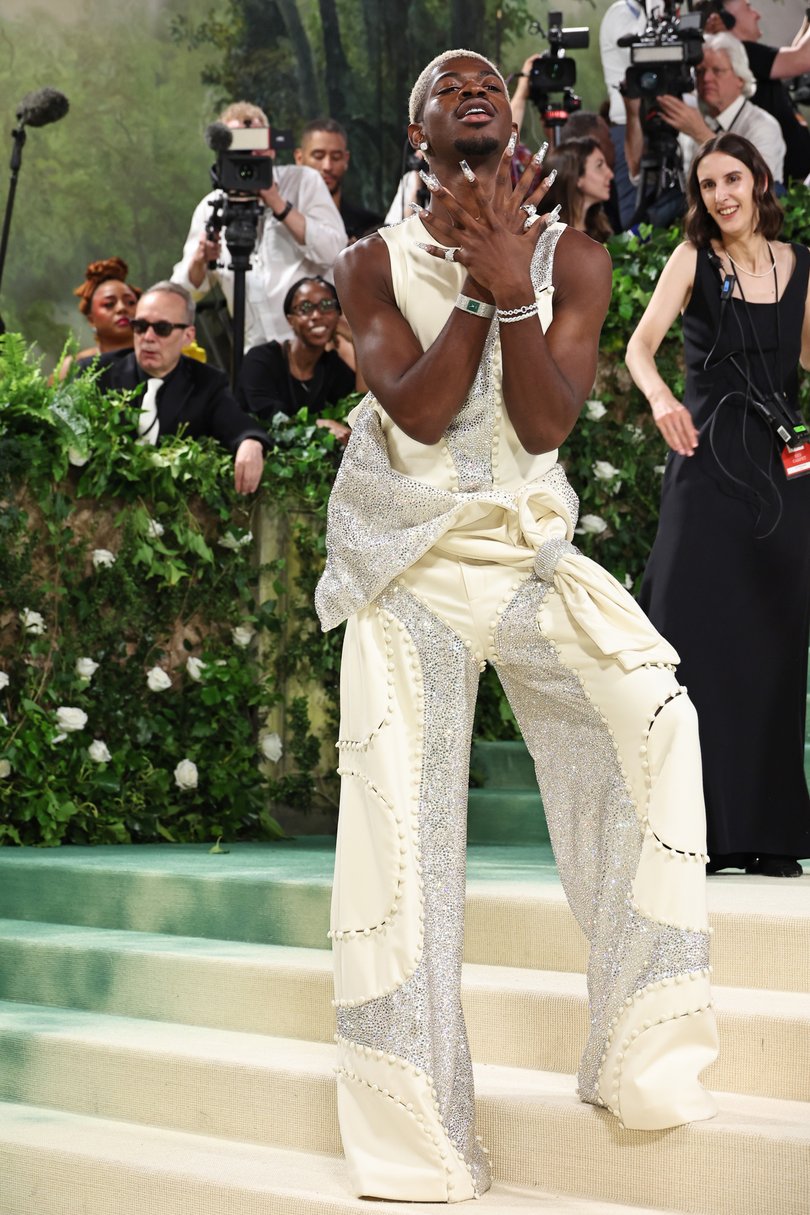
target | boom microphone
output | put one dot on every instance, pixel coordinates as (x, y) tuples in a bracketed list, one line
[(218, 137), (41, 107)]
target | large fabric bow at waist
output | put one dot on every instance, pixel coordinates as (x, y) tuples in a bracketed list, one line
[(602, 607)]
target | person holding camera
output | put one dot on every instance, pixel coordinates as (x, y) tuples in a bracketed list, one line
[(181, 393), (728, 578), (771, 67), (624, 18), (300, 233), (725, 86)]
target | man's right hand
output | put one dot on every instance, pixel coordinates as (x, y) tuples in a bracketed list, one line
[(206, 251)]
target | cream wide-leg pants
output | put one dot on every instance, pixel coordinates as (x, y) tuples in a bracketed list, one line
[(614, 740)]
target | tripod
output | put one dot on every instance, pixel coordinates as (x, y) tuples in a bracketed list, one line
[(239, 216), (662, 183)]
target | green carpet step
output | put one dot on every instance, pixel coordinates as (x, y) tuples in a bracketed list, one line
[(502, 765), (279, 894), (755, 1155), (56, 1163), (515, 1017), (506, 815)]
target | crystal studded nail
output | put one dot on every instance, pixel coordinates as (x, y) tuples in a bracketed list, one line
[(466, 170), (540, 155), (430, 179)]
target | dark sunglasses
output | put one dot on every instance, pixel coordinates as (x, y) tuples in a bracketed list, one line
[(306, 307), (161, 328)]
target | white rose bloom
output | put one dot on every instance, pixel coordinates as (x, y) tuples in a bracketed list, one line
[(271, 746), (157, 680), (594, 410), (628, 582), (98, 752), (85, 668), (229, 540), (3, 719), (242, 635), (102, 557), (32, 622), (5, 769), (77, 458), (4, 679), (69, 720), (154, 529), (603, 471), (592, 525), (660, 469), (195, 668), (185, 774)]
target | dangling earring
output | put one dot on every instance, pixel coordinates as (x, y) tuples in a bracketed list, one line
[(423, 147)]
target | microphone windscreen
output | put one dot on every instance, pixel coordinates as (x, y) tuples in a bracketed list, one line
[(41, 107), (218, 137)]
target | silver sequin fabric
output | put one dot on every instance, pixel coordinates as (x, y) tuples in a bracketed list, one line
[(593, 822), (380, 521), (422, 1020)]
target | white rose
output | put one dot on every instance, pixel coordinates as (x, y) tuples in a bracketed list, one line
[(103, 557), (32, 622), (5, 769), (604, 471), (660, 469), (77, 458), (85, 668), (594, 410), (242, 635), (628, 582), (69, 720), (154, 529), (229, 540), (185, 774), (4, 679), (157, 680), (592, 525), (98, 752), (3, 719), (271, 747), (195, 668)]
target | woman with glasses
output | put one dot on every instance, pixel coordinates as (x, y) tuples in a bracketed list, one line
[(305, 372)]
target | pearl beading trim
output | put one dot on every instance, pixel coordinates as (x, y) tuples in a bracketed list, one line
[(362, 744)]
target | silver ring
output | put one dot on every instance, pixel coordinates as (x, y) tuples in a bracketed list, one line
[(529, 208), (449, 255), (532, 219)]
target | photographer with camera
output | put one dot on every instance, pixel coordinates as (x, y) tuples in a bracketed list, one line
[(625, 17), (771, 66), (298, 229), (724, 88)]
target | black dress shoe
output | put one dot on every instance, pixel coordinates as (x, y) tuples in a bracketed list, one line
[(776, 866), (731, 860)]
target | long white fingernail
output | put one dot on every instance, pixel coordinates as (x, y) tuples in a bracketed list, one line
[(512, 144), (552, 177), (430, 179), (540, 155), (554, 215), (420, 244), (414, 206), (466, 170)]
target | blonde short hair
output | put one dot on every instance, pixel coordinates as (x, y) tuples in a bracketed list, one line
[(419, 91), (244, 111)]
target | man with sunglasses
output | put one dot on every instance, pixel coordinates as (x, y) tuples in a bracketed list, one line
[(180, 392)]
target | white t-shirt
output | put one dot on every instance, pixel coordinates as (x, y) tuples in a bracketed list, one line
[(278, 260), (624, 17), (754, 124)]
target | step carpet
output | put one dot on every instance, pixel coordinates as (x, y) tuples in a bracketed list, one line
[(154, 1046)]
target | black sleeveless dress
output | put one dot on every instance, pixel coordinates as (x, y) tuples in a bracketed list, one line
[(728, 579)]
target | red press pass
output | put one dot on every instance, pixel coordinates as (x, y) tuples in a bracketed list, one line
[(796, 462)]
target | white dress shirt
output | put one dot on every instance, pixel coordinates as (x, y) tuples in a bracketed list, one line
[(624, 17), (278, 260), (746, 119)]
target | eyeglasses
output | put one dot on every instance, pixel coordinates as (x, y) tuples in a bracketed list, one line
[(162, 328), (306, 307), (710, 71)]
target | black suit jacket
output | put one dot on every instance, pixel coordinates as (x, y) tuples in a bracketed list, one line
[(194, 396)]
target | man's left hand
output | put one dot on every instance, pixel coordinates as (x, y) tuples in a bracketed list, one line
[(248, 465)]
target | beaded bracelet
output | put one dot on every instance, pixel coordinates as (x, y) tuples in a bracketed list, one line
[(477, 307), (508, 316)]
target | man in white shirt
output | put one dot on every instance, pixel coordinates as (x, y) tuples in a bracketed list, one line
[(624, 17), (724, 85), (299, 235)]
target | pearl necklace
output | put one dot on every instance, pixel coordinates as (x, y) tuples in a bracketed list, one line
[(751, 273)]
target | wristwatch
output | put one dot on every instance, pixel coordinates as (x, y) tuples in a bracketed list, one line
[(282, 215)]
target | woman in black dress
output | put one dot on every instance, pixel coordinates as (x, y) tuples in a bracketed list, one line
[(728, 580), (284, 377)]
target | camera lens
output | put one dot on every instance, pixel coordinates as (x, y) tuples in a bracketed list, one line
[(648, 82), (247, 172)]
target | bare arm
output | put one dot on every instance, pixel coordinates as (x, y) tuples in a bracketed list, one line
[(669, 298), (793, 60)]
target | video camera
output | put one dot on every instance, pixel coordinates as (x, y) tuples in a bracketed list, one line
[(238, 170), (662, 58), (556, 72)]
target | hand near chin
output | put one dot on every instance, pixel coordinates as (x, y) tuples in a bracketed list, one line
[(493, 238)]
